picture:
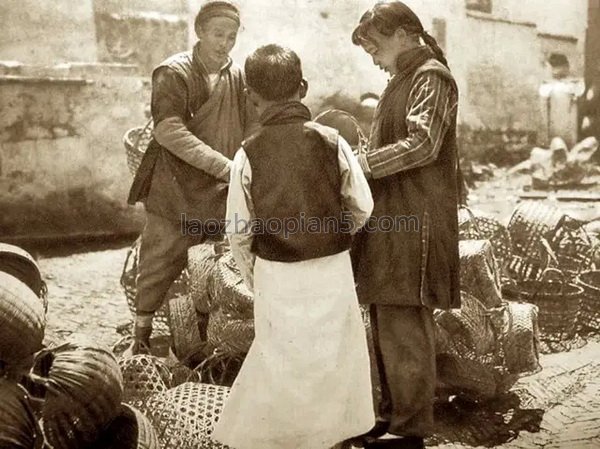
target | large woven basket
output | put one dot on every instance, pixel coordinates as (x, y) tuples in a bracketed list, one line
[(201, 261), (229, 335), (228, 292), (589, 315), (20, 264), (84, 393), (570, 248), (530, 222), (558, 301), (129, 284), (183, 321), (347, 126), (479, 227), (129, 430), (185, 416), (519, 337), (469, 329), (143, 376), (22, 323), (466, 377), (479, 272), (18, 425), (136, 141)]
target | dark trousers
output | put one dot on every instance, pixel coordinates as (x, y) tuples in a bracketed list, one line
[(163, 256), (404, 352)]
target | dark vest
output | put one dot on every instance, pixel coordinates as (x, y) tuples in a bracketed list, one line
[(412, 267), (296, 191)]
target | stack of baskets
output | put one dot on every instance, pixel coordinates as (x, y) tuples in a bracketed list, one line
[(547, 242), (589, 314), (487, 344), (530, 223), (231, 324)]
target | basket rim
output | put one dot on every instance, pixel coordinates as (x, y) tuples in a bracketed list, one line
[(579, 280)]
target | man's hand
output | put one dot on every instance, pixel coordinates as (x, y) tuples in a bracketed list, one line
[(225, 174)]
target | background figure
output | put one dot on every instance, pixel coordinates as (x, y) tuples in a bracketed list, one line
[(405, 273), (200, 117)]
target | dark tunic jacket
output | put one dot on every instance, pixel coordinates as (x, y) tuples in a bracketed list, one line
[(167, 185), (414, 265)]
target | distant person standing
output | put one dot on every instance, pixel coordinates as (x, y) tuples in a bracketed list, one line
[(590, 107), (412, 163), (200, 118)]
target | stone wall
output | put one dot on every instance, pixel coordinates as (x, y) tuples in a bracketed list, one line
[(63, 167)]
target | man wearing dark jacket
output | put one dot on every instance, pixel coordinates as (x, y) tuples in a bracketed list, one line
[(200, 118)]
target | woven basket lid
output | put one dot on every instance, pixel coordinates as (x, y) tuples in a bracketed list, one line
[(19, 263), (22, 320), (129, 430), (84, 394), (345, 123), (18, 428)]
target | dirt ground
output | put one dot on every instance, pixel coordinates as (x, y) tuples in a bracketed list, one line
[(557, 408)]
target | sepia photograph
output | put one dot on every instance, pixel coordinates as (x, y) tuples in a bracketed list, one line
[(299, 224)]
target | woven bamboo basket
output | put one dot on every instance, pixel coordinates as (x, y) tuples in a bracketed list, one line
[(531, 221), (347, 126), (22, 323), (136, 141), (18, 425), (228, 292), (467, 377), (20, 264), (589, 315), (201, 261), (570, 248), (228, 335), (185, 416), (129, 430), (558, 301), (129, 283), (469, 328), (143, 376), (478, 227), (479, 273), (519, 338), (183, 321), (84, 393)]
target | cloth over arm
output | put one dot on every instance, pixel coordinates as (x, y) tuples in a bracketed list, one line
[(356, 194), (169, 111), (432, 105), (239, 217)]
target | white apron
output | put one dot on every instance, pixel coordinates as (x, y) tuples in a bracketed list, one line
[(305, 383)]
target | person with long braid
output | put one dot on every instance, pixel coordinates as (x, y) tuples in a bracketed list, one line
[(412, 166)]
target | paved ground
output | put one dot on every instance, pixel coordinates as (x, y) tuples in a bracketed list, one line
[(557, 408)]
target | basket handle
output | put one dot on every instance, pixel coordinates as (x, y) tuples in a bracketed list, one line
[(472, 218), (130, 251), (549, 251), (362, 139), (563, 278), (139, 136)]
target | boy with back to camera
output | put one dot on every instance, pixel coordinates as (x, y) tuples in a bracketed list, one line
[(305, 382)]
